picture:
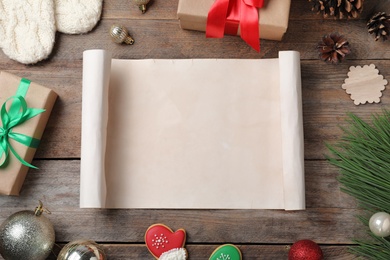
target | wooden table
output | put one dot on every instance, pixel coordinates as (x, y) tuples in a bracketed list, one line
[(260, 234)]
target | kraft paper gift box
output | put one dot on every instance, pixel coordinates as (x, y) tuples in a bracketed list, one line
[(13, 172), (273, 16), (192, 133)]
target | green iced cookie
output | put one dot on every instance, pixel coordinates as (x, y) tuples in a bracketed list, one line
[(226, 252)]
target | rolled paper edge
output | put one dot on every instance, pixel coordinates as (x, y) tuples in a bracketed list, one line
[(292, 130), (96, 77)]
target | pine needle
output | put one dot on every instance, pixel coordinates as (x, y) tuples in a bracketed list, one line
[(363, 157)]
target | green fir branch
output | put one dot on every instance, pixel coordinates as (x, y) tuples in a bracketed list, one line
[(363, 157)]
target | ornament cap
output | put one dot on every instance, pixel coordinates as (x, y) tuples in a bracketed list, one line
[(141, 4), (128, 40), (142, 8), (40, 209)]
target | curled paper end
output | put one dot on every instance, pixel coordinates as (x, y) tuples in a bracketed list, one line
[(174, 254), (96, 78)]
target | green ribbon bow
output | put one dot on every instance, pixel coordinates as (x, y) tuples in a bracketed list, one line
[(17, 114)]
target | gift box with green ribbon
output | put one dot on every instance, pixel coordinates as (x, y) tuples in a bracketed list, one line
[(25, 109)]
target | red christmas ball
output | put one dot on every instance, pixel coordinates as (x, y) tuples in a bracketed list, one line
[(305, 250)]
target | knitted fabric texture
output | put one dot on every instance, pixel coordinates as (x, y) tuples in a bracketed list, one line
[(77, 16), (27, 29)]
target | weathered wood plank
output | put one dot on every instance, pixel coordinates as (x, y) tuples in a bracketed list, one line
[(330, 217), (165, 39), (57, 182), (122, 9), (213, 226), (202, 252)]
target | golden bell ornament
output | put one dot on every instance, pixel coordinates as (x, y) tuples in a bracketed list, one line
[(119, 34), (142, 4)]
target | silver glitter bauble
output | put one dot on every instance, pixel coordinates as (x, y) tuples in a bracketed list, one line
[(26, 235), (380, 224), (82, 250)]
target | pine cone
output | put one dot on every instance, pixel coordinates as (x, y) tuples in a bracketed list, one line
[(338, 8), (333, 48), (379, 25)]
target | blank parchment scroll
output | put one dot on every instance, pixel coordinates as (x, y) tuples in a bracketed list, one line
[(192, 133)]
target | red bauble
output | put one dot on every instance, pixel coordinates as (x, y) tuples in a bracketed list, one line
[(305, 250)]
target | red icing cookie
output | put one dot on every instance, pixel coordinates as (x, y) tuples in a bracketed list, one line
[(160, 238)]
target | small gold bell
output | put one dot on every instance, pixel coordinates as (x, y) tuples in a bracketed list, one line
[(119, 34), (142, 4)]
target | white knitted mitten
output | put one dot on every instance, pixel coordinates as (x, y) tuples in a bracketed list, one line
[(77, 16), (27, 29)]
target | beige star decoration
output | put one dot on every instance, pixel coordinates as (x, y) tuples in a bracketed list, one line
[(364, 84)]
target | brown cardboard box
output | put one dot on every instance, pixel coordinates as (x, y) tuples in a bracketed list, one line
[(273, 17), (13, 173)]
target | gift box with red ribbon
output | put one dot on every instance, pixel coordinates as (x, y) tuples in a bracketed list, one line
[(25, 109), (252, 19)]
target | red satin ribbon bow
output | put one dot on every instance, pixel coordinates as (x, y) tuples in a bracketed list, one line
[(226, 15)]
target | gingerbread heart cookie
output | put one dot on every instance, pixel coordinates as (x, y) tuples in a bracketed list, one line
[(226, 252), (161, 239)]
